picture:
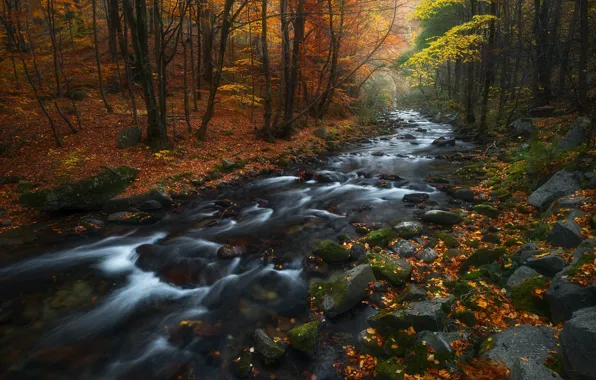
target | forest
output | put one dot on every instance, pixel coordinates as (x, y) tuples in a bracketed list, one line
[(298, 189)]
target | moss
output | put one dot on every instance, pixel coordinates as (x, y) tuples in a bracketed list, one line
[(511, 242), (396, 272), (331, 251), (524, 298), (453, 252), (553, 362), (343, 237), (397, 343), (467, 317), (577, 266), (491, 238), (473, 243), (334, 288), (538, 232), (390, 369), (487, 345), (486, 210), (449, 240), (380, 237), (483, 256), (304, 338)]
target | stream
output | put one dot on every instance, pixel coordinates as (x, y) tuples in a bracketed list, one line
[(160, 302)]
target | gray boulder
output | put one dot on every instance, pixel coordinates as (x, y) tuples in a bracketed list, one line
[(439, 341), (585, 248), (404, 248), (576, 136), (423, 315), (578, 345), (413, 293), (565, 297), (129, 137), (466, 195), (407, 230), (427, 255), (441, 217), (565, 233), (548, 265), (521, 275), (560, 184), (522, 127), (346, 291), (524, 341), (530, 370)]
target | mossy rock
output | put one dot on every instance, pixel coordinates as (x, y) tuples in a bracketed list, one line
[(454, 252), (449, 240), (473, 243), (576, 267), (492, 238), (370, 344), (242, 365), (525, 298), (492, 272), (331, 252), (398, 343), (380, 238), (305, 338), (467, 317), (482, 256), (511, 242), (394, 271), (343, 237), (487, 210), (390, 369)]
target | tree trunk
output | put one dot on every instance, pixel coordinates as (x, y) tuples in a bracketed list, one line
[(97, 62), (582, 88), (489, 74), (542, 81), (266, 72)]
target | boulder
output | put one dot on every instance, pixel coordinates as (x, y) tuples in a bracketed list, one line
[(521, 275), (305, 338), (404, 248), (525, 297), (88, 194), (408, 136), (427, 255), (560, 184), (413, 293), (565, 297), (565, 233), (522, 127), (466, 195), (548, 265), (448, 239), (487, 210), (227, 165), (129, 137), (151, 206), (331, 252), (447, 218), (135, 218), (380, 238), (242, 365), (394, 271), (529, 342), (578, 345), (357, 251), (266, 347), (407, 230), (440, 342), (531, 370), (370, 344), (443, 141), (415, 197), (135, 201), (482, 256), (576, 136), (342, 292), (423, 315)]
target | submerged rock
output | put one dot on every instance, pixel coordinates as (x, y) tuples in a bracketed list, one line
[(229, 252)]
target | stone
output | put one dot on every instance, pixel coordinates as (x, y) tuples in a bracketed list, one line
[(89, 194), (572, 201), (560, 184), (394, 271), (343, 292), (135, 218), (531, 370), (576, 136), (10, 179), (487, 210), (242, 365), (413, 293), (492, 238), (24, 186), (315, 266), (404, 248), (408, 230), (482, 256), (423, 315), (524, 297), (129, 137), (521, 275), (427, 255), (522, 127), (370, 344), (408, 136), (565, 233), (266, 347), (440, 342), (321, 132), (548, 265), (565, 297), (357, 251), (447, 218), (380, 238), (415, 197), (305, 338), (227, 165), (524, 341), (331, 252), (466, 195), (150, 206), (578, 345), (227, 252), (443, 141), (389, 369), (448, 239)]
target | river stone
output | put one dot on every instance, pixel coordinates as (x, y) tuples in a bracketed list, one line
[(441, 217), (331, 252), (548, 265), (482, 256), (266, 347), (116, 204), (565, 297), (305, 338), (487, 210), (415, 197), (404, 248), (357, 251), (135, 218), (560, 184), (466, 195), (85, 195), (576, 136), (423, 315), (565, 233), (394, 271), (524, 341), (443, 141), (578, 345), (129, 137), (226, 252), (586, 247), (521, 275), (531, 370), (522, 127), (150, 206), (427, 255), (242, 365), (407, 230)]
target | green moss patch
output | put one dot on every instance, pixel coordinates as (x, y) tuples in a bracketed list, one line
[(525, 298), (380, 237)]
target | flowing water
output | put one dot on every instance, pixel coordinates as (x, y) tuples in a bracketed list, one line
[(144, 303)]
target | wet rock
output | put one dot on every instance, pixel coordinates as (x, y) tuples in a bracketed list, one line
[(560, 184), (415, 197), (578, 345), (427, 255), (522, 127), (390, 369), (129, 137), (413, 293), (408, 136), (466, 195), (441, 217), (404, 248), (443, 141), (305, 338), (357, 251), (380, 238), (266, 347), (521, 275), (531, 370), (487, 210), (370, 344), (93, 224), (482, 256), (548, 265), (227, 252), (524, 341), (492, 238), (394, 271), (85, 195), (449, 240), (565, 233), (343, 292), (421, 130), (315, 266), (566, 297), (150, 257), (408, 230), (390, 177), (331, 252), (135, 218), (116, 204), (151, 206), (423, 315), (242, 365), (576, 136), (377, 154)]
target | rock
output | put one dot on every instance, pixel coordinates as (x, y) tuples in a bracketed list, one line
[(487, 210), (396, 272), (227, 252), (548, 265), (136, 218), (440, 342), (441, 217), (86, 195), (407, 230), (415, 197), (315, 266), (427, 255), (321, 132), (522, 127), (357, 251), (421, 130), (380, 238), (331, 252), (576, 136), (585, 251), (449, 240), (227, 165), (452, 253), (10, 179), (524, 341), (565, 233), (305, 338), (242, 365), (423, 315), (129, 137), (466, 195), (266, 347), (76, 95), (521, 275), (482, 256), (404, 248), (565, 297), (572, 201), (492, 238), (413, 293), (442, 141), (524, 296), (389, 369), (531, 370), (24, 186), (578, 345), (560, 184), (342, 292), (370, 344), (150, 206), (408, 136)]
